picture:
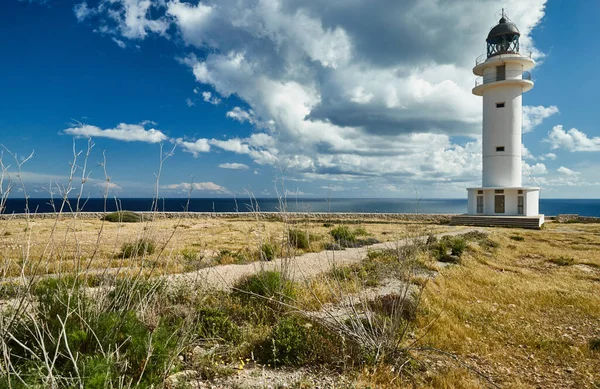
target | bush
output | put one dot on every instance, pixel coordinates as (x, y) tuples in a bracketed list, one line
[(298, 239), (287, 344), (298, 342), (343, 234), (266, 284), (449, 249), (215, 324), (66, 315), (518, 238), (267, 251), (123, 217), (138, 249)]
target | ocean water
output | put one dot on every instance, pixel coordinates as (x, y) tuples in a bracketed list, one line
[(585, 207)]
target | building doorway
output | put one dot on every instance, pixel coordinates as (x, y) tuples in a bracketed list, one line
[(499, 204)]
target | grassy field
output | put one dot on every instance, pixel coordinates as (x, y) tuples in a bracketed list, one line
[(181, 245), (526, 313), (503, 308)]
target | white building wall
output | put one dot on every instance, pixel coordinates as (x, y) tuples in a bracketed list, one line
[(532, 202), (502, 127)]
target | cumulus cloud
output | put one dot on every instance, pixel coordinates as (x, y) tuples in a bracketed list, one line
[(550, 156), (128, 18), (234, 166), (209, 98), (82, 11), (533, 116), (196, 147), (526, 154), (572, 140), (537, 169), (109, 185), (124, 132), (566, 171), (344, 90), (201, 186), (119, 43)]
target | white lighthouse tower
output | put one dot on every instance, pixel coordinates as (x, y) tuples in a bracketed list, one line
[(502, 199)]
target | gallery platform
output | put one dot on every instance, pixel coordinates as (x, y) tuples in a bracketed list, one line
[(529, 222)]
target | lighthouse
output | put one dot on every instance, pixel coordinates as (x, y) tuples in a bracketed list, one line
[(503, 78)]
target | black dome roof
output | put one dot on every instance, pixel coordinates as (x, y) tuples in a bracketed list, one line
[(504, 27)]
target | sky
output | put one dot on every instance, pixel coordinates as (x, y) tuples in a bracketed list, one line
[(348, 98)]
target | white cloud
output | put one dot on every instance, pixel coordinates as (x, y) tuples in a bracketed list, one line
[(196, 147), (526, 154), (123, 131), (567, 171), (209, 98), (533, 116), (201, 186), (128, 18), (189, 102), (537, 169), (82, 11), (550, 156), (330, 100), (572, 140), (110, 185), (234, 166), (119, 43)]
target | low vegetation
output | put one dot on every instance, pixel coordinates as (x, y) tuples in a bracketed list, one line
[(123, 217), (139, 248)]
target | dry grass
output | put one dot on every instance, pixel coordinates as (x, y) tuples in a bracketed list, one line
[(195, 243), (514, 315)]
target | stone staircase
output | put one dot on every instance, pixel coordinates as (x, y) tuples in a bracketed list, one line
[(529, 222)]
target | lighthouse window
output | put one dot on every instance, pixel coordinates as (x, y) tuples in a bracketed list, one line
[(499, 105), (500, 148)]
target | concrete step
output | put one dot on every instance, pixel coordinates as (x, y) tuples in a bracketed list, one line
[(529, 222)]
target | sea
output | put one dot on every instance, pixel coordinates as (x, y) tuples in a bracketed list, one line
[(549, 207)]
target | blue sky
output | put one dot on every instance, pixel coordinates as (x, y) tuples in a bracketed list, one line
[(352, 97)]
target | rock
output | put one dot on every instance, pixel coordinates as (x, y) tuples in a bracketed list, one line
[(177, 379)]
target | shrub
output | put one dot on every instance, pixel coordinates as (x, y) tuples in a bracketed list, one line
[(123, 217), (518, 238), (449, 249), (360, 231), (266, 284), (215, 324), (267, 251), (298, 239), (458, 246), (343, 233), (138, 249), (287, 344), (328, 224), (562, 261), (65, 315)]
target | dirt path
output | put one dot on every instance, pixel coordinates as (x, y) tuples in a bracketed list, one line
[(301, 267)]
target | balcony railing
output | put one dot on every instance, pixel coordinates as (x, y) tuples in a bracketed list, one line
[(483, 57), (509, 75)]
